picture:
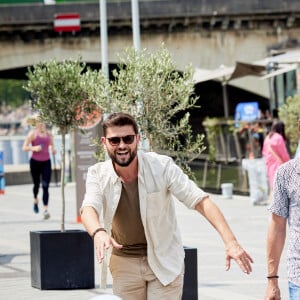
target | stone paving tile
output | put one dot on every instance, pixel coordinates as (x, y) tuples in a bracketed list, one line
[(214, 283)]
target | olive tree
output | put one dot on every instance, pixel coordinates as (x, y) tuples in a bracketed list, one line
[(64, 94), (147, 86), (289, 113)]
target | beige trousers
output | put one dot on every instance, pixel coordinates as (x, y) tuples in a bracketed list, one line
[(133, 279)]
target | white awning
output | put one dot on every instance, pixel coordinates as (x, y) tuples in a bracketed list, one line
[(289, 57), (263, 69), (247, 69), (258, 69), (224, 73), (282, 69), (202, 75)]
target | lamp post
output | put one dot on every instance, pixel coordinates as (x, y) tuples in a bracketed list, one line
[(103, 36), (136, 24), (225, 97), (137, 46)]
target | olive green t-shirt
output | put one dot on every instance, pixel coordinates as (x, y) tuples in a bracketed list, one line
[(127, 227)]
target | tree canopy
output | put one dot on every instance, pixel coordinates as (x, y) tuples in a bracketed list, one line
[(289, 113), (147, 86)]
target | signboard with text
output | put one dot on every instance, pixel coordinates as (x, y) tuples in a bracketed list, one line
[(84, 158)]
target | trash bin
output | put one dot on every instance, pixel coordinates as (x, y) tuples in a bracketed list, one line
[(227, 189), (2, 177)]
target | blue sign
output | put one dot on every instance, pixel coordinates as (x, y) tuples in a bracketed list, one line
[(246, 111)]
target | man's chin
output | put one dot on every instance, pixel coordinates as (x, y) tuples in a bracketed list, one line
[(123, 163)]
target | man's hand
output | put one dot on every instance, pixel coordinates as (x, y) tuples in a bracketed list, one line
[(272, 291), (242, 258), (103, 242)]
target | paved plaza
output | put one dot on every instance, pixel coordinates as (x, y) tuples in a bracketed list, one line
[(248, 222)]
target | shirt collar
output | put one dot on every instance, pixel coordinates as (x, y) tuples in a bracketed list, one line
[(114, 176)]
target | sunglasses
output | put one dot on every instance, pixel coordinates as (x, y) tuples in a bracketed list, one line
[(116, 140)]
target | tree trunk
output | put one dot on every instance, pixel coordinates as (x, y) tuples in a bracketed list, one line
[(62, 179)]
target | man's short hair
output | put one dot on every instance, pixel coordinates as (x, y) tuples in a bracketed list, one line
[(119, 119)]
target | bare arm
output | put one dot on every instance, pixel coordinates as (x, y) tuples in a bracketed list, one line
[(233, 250), (27, 144), (102, 240), (275, 243)]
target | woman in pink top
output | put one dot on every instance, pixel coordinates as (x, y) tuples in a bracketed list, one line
[(275, 151), (38, 142)]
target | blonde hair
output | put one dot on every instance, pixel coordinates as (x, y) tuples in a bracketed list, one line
[(33, 120)]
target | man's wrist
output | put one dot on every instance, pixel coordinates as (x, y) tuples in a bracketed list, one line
[(272, 277), (232, 243), (98, 230)]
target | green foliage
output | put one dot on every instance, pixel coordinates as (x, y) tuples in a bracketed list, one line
[(289, 113), (64, 93), (12, 92), (213, 128), (148, 87)]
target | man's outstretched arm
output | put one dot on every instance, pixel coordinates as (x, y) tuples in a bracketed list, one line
[(213, 214), (275, 243)]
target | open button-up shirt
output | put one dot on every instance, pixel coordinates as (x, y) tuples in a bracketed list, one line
[(286, 204), (159, 181)]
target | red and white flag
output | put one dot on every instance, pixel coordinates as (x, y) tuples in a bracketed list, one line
[(67, 22)]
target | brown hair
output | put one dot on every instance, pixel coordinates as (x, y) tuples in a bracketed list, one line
[(119, 119), (279, 128)]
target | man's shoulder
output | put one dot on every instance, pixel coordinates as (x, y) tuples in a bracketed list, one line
[(101, 166), (291, 166), (154, 156)]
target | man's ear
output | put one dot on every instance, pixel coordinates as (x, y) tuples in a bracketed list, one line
[(103, 140)]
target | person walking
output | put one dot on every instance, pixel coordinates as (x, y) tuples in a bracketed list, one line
[(284, 208), (275, 152), (128, 207), (38, 141)]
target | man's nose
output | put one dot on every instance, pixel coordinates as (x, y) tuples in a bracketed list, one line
[(122, 144)]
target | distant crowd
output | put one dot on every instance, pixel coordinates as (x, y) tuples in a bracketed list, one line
[(12, 120), (252, 134)]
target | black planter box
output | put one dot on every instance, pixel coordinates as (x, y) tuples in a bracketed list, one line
[(62, 260), (190, 283)]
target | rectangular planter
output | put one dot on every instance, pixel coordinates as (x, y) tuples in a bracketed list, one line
[(62, 260)]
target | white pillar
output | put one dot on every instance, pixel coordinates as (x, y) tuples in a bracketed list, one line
[(136, 24), (103, 36)]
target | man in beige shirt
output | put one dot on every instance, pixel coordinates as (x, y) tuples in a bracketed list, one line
[(129, 206)]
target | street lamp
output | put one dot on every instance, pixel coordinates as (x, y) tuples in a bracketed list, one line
[(136, 24), (103, 36)]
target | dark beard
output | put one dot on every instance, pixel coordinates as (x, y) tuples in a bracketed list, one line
[(120, 163)]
